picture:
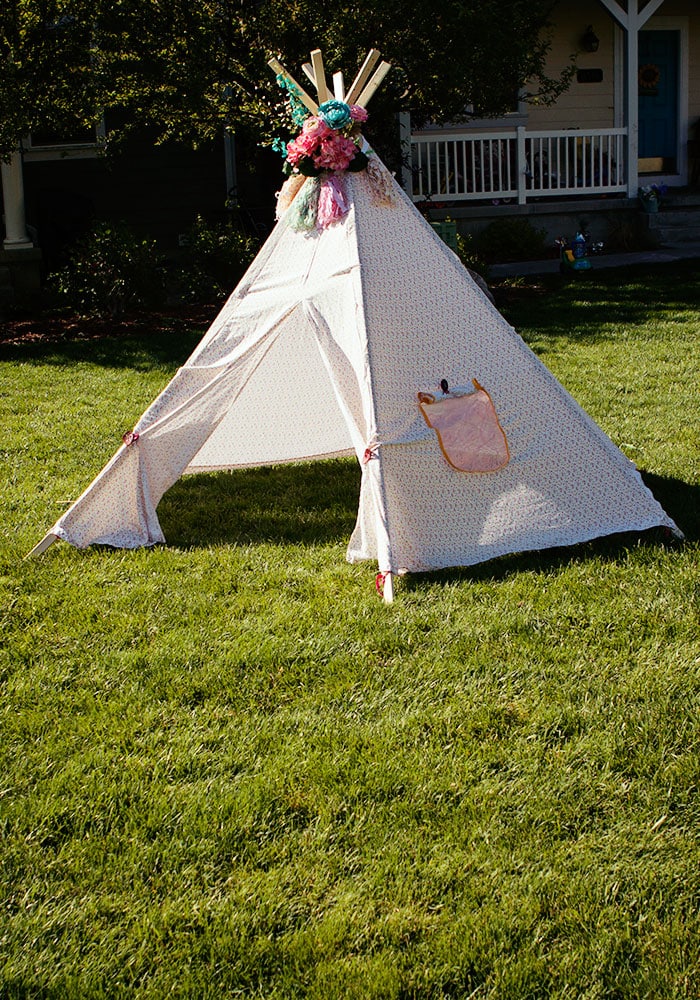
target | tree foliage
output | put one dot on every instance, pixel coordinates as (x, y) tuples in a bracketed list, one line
[(186, 67), (47, 79)]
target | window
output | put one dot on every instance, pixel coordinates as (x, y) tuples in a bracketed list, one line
[(53, 145)]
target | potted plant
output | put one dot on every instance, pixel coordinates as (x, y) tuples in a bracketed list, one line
[(651, 195)]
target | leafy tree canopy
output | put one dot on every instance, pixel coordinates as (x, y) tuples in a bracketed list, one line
[(186, 67)]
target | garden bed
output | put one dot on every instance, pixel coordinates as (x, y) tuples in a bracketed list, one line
[(54, 327)]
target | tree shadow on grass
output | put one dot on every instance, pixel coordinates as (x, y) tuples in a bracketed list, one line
[(316, 503), (588, 307), (304, 504)]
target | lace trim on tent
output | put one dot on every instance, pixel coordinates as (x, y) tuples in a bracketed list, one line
[(467, 428)]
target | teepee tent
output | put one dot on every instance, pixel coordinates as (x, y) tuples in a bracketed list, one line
[(363, 333)]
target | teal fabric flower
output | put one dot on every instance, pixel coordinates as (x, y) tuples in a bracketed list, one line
[(336, 114), (280, 146), (298, 111)]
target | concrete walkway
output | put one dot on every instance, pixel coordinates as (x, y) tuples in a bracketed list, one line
[(664, 255)]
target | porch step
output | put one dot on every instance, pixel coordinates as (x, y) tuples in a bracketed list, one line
[(675, 225), (682, 198)]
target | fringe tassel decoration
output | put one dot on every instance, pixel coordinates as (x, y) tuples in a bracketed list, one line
[(290, 189), (304, 209), (381, 183), (333, 202)]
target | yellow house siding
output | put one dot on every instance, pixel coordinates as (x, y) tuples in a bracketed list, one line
[(584, 105), (591, 105)]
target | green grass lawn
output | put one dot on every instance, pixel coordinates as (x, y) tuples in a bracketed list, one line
[(228, 770)]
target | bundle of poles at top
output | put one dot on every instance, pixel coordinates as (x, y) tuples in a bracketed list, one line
[(364, 86)]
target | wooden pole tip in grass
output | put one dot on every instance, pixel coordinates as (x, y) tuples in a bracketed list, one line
[(43, 545)]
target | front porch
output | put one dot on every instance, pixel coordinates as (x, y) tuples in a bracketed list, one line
[(462, 166), (561, 180), (630, 117)]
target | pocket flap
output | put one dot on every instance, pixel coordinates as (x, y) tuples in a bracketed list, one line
[(467, 428)]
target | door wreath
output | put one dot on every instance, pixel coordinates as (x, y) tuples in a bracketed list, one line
[(648, 78)]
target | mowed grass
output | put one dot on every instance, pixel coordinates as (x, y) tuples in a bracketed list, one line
[(228, 770)]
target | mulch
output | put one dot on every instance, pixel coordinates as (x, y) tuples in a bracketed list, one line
[(55, 328)]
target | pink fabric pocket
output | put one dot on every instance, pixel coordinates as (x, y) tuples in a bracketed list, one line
[(467, 428)]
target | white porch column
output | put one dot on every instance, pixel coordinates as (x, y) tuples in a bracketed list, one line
[(521, 163), (631, 20), (632, 102), (16, 237), (406, 174)]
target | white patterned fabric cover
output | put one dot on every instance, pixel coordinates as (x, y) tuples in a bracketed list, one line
[(321, 351)]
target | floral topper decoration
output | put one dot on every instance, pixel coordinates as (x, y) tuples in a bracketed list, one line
[(330, 143)]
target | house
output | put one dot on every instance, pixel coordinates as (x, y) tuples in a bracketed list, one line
[(58, 184), (629, 118)]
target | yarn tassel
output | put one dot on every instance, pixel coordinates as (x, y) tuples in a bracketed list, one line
[(304, 209), (333, 203), (381, 183), (290, 189)]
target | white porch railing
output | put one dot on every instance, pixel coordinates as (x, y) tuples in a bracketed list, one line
[(517, 164)]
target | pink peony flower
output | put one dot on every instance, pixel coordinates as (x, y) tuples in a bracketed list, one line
[(294, 153), (317, 127), (335, 153), (308, 141), (310, 123), (358, 114)]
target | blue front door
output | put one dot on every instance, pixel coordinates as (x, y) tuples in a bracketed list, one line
[(658, 100)]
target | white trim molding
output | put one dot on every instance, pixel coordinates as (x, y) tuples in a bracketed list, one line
[(70, 149)]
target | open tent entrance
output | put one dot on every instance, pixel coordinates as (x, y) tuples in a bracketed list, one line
[(288, 409)]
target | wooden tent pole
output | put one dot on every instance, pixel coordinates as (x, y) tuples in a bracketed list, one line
[(43, 545), (369, 91), (362, 77), (338, 87), (309, 73), (362, 90), (279, 69), (320, 76)]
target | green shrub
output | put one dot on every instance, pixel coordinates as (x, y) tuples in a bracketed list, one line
[(111, 271), (470, 256), (215, 259), (511, 238)]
